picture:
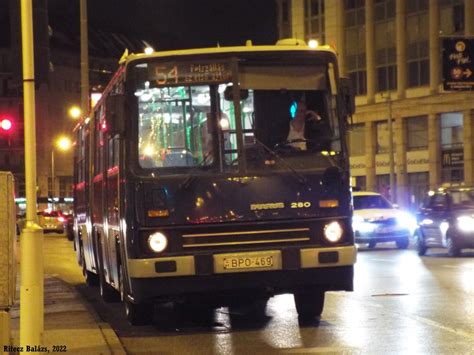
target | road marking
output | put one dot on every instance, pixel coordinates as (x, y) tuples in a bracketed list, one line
[(384, 260), (325, 350), (440, 326)]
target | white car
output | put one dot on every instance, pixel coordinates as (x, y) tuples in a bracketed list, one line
[(376, 220)]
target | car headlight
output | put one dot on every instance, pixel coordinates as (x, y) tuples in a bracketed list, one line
[(333, 232), (466, 223), (405, 219), (157, 242), (443, 227), (362, 225)]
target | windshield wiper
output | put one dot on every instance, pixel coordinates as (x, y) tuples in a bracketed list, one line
[(301, 179), (191, 177)]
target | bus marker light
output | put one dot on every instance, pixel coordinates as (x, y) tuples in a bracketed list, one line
[(328, 203), (158, 213), (157, 242)]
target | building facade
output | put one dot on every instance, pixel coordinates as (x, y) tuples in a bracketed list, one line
[(391, 49)]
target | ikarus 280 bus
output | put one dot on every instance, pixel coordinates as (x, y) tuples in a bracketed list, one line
[(189, 186)]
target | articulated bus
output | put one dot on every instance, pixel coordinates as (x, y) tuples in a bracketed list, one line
[(189, 188)]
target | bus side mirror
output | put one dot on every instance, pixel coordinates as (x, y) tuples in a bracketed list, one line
[(347, 95), (115, 114)]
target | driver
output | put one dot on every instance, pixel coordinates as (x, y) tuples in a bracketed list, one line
[(300, 115)]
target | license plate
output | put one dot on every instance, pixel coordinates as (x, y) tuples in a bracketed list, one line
[(387, 229), (249, 262)]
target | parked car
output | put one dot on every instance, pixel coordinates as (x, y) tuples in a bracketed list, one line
[(446, 220), (376, 220), (51, 221), (69, 225)]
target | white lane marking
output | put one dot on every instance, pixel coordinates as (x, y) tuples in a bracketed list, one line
[(426, 321), (324, 350), (440, 326), (385, 260)]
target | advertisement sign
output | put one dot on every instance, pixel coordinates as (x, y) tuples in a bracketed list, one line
[(458, 67), (452, 158)]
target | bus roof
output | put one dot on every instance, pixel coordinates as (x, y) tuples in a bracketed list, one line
[(282, 45)]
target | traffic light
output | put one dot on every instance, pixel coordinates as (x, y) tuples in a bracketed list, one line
[(6, 125)]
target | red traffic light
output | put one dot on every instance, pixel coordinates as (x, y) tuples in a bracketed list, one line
[(6, 124)]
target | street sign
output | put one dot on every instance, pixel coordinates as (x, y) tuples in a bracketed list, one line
[(458, 63)]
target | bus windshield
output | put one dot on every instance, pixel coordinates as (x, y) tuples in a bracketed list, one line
[(187, 116)]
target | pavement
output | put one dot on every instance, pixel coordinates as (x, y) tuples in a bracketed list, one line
[(70, 324)]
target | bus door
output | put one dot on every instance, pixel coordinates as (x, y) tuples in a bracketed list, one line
[(98, 181), (82, 207), (112, 209)]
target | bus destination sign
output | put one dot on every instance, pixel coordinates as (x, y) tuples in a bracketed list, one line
[(186, 73), (458, 64)]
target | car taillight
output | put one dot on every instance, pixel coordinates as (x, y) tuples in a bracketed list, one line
[(61, 219)]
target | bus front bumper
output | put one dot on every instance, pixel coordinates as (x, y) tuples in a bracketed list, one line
[(277, 270)]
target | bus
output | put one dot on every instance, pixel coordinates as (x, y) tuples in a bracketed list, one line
[(187, 186)]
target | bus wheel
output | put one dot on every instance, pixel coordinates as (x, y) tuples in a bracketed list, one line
[(309, 303), (138, 313), (90, 278)]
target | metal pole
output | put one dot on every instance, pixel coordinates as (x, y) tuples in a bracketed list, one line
[(52, 172), (393, 195), (31, 281), (85, 107)]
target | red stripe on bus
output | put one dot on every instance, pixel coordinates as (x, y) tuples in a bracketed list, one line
[(113, 171), (97, 178)]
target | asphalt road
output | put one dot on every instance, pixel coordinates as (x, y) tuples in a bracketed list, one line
[(402, 304)]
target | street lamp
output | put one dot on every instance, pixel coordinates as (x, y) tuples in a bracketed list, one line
[(63, 144), (75, 112)]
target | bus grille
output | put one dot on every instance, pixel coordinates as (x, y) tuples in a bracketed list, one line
[(246, 238)]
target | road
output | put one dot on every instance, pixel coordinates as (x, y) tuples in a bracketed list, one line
[(402, 304)]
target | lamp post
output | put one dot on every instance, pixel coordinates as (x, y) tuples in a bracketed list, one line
[(74, 112), (63, 144)]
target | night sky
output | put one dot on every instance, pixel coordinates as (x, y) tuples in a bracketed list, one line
[(174, 24)]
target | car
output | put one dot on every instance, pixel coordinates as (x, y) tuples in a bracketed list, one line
[(376, 220), (446, 220), (69, 224), (51, 221)]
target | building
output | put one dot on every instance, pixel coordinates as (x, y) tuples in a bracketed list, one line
[(391, 49), (54, 96)]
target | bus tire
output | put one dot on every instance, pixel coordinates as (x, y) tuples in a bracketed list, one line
[(309, 303), (138, 313)]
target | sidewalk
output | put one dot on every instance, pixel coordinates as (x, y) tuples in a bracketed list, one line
[(70, 323)]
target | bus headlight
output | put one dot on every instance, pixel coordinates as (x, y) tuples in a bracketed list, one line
[(333, 232), (157, 242)]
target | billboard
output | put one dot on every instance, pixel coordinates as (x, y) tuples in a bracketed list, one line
[(458, 66)]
